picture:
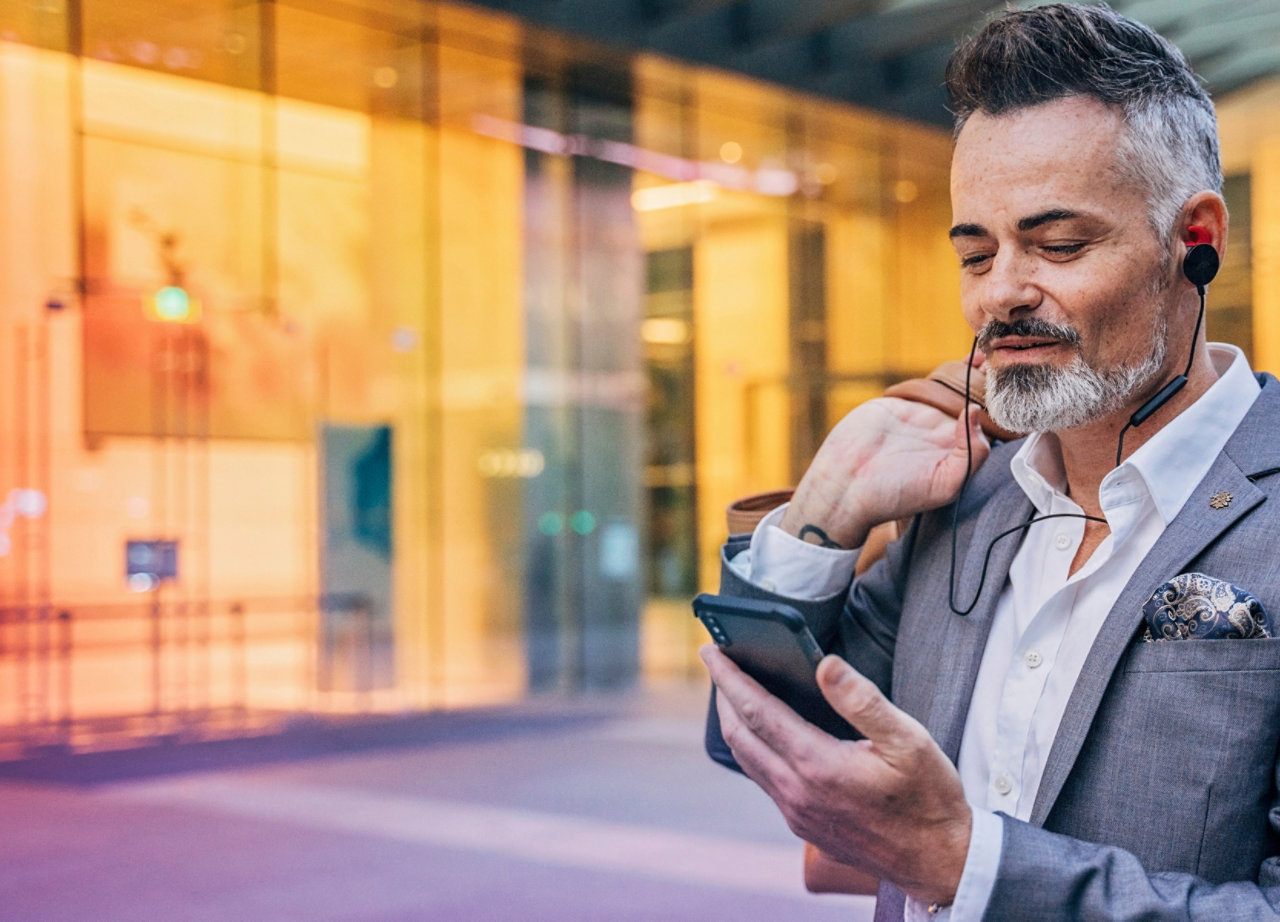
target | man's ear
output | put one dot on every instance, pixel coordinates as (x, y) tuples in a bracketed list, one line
[(1203, 220)]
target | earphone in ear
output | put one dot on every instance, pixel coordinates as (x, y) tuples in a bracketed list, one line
[(1200, 264)]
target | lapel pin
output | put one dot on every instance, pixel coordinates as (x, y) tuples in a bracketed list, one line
[(1220, 500)]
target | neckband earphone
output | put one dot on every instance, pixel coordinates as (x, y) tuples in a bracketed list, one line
[(1199, 265)]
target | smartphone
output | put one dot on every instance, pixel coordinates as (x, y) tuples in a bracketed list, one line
[(771, 642)]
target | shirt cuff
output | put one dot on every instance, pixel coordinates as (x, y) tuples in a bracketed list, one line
[(781, 563), (978, 879)]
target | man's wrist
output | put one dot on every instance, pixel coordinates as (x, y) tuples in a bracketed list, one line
[(973, 892), (946, 868), (813, 534), (831, 527)]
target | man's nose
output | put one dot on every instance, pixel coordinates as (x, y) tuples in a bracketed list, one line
[(1008, 288)]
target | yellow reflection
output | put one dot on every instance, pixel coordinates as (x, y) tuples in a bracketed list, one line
[(665, 331), (674, 195), (826, 173)]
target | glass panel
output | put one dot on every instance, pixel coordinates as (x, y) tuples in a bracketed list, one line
[(476, 630), (214, 40), (583, 291), (1244, 300), (667, 333), (821, 272), (1230, 308), (37, 292)]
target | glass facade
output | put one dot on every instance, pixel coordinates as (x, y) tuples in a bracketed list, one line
[(389, 354)]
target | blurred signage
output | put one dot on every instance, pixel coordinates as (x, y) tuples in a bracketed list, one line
[(149, 563)]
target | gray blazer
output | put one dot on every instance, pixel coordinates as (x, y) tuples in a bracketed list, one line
[(1159, 796)]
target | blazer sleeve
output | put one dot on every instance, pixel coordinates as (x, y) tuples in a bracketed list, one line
[(1045, 875)]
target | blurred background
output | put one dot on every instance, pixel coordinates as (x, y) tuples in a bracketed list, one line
[(372, 357)]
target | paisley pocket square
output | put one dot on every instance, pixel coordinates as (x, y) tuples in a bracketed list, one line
[(1194, 606)]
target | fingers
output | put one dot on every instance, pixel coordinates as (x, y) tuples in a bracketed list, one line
[(767, 737), (857, 699)]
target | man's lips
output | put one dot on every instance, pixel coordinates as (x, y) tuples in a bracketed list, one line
[(1015, 345)]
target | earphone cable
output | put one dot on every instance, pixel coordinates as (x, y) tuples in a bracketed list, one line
[(955, 508)]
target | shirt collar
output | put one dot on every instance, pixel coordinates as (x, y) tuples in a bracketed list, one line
[(1037, 467), (1167, 469)]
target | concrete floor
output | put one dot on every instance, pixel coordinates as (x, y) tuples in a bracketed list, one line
[(558, 810)]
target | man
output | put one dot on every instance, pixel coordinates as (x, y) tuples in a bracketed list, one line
[(1046, 755)]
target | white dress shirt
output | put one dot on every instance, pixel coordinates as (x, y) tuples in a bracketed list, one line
[(1046, 620)]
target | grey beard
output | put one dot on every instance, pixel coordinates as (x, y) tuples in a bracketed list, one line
[(1041, 398)]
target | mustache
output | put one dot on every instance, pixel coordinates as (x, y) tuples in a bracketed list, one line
[(1026, 326)]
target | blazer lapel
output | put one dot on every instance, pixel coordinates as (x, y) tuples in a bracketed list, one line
[(1197, 526), (964, 638)]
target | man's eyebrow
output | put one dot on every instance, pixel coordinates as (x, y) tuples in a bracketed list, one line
[(1046, 217), (968, 230), (1024, 225)]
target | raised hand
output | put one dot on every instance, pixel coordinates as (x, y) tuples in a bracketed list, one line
[(887, 459)]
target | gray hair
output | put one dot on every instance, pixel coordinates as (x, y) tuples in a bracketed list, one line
[(1027, 57)]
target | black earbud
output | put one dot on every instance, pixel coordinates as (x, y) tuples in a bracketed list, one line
[(1200, 264)]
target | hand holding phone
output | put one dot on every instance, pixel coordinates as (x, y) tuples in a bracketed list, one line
[(771, 642)]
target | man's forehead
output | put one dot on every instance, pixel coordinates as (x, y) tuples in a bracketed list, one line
[(1055, 155), (1064, 114), (1068, 135)]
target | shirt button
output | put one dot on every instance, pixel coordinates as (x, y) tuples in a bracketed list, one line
[(1033, 659), (768, 585), (1062, 542), (1002, 784)]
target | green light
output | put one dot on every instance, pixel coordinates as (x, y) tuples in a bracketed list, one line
[(583, 522), (172, 303), (550, 523)]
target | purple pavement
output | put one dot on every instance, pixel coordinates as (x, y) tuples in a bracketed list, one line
[(603, 809)]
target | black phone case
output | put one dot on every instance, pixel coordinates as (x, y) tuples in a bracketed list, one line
[(772, 643)]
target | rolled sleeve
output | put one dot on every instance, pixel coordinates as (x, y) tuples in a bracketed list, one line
[(781, 563)]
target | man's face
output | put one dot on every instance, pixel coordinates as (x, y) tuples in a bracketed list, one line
[(1061, 274)]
